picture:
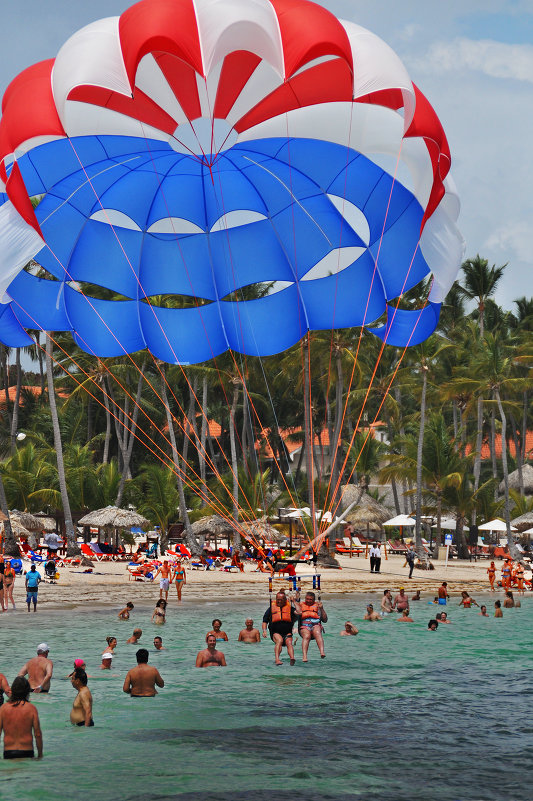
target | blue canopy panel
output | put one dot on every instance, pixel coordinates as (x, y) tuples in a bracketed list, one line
[(408, 327), (11, 332), (141, 220)]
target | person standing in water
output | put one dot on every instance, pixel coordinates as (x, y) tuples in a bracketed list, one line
[(159, 614), (141, 681), (19, 723), (466, 601), (210, 657), (249, 634), (124, 614), (4, 688), (386, 602), (158, 644), (135, 637), (349, 630), (39, 670), (220, 635), (483, 611), (498, 609), (81, 713)]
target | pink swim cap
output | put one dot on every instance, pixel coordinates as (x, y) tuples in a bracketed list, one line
[(79, 663)]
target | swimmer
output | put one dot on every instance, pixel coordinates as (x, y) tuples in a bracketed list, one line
[(442, 617), (135, 637), (159, 613), (401, 601), (280, 618), (19, 723), (370, 614), (81, 713), (312, 616), (39, 670), (434, 601), (483, 611), (141, 681), (249, 634), (509, 601), (466, 601), (164, 581), (124, 614), (498, 609), (416, 596), (433, 625), (349, 630), (107, 655), (491, 571), (158, 644), (220, 635), (443, 592), (386, 602), (405, 617), (78, 663), (210, 657)]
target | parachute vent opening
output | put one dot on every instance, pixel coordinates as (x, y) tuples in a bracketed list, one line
[(333, 263), (256, 291), (115, 218), (204, 137), (96, 291), (34, 268), (353, 216), (175, 301), (237, 218)]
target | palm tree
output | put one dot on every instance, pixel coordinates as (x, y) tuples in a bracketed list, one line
[(479, 283)]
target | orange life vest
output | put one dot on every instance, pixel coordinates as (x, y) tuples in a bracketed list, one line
[(310, 610), (281, 613)]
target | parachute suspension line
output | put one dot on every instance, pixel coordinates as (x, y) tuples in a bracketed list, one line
[(144, 295), (345, 408)]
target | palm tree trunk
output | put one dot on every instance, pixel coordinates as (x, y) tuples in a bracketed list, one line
[(234, 464), (418, 528), (515, 554), (493, 450), (5, 377), (203, 432), (192, 544), (16, 403), (10, 544), (518, 452), (337, 431), (308, 435), (72, 547), (40, 358), (129, 448), (105, 457)]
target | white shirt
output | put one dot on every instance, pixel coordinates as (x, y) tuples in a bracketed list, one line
[(375, 551)]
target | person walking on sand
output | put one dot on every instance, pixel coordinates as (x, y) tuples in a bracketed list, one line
[(81, 713), (249, 634), (519, 580), (19, 723), (312, 616), (141, 681), (33, 579), (491, 571), (210, 657), (410, 558), (9, 585), (375, 558), (180, 577), (164, 581), (39, 670)]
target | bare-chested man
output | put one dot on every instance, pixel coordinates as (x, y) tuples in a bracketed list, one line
[(405, 617), (158, 644), (19, 722), (135, 637), (141, 681), (370, 614), (249, 634), (401, 601), (4, 688), (81, 713), (349, 630), (39, 670), (164, 582), (210, 657)]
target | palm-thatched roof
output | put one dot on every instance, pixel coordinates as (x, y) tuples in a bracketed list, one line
[(514, 483), (47, 523), (261, 530), (113, 517), (26, 520), (367, 514), (213, 525), (523, 522)]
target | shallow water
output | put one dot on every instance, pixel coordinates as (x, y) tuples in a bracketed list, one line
[(396, 713)]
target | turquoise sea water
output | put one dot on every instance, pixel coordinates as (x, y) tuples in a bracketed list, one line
[(396, 713)]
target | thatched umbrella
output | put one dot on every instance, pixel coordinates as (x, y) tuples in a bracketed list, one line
[(212, 526), (112, 518), (523, 522), (514, 481), (261, 530), (368, 515), (46, 523), (25, 519)]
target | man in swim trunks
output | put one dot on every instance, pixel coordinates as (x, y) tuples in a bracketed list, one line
[(180, 577), (386, 602), (249, 634), (33, 580), (401, 601), (39, 670), (279, 618), (312, 616), (210, 657), (81, 713), (164, 581), (135, 637), (220, 635), (370, 614), (443, 592), (19, 722), (158, 644), (140, 682)]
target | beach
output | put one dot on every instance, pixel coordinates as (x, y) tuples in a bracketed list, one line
[(109, 583)]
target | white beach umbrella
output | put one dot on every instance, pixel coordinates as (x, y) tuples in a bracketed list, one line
[(400, 520), (447, 523), (495, 525)]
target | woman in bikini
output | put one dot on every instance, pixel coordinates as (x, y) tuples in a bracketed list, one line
[(491, 571), (466, 601), (9, 583), (180, 577), (109, 653), (220, 635), (159, 613)]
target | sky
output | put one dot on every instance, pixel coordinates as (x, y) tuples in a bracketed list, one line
[(474, 62)]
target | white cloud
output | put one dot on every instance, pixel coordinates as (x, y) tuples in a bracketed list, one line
[(513, 239), (496, 59)]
